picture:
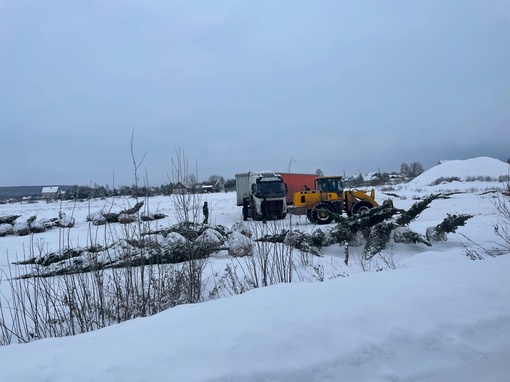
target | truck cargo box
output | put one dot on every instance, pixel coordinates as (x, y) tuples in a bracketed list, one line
[(242, 186)]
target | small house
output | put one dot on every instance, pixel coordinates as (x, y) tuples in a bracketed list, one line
[(179, 188), (50, 192), (206, 188)]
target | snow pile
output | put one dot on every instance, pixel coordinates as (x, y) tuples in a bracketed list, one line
[(476, 167), (372, 327)]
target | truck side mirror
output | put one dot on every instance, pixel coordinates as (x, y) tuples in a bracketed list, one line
[(253, 189)]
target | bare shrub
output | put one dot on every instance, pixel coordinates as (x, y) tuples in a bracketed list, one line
[(268, 258), (187, 207), (502, 227), (480, 178), (503, 179), (384, 260), (442, 180), (40, 306), (273, 262), (387, 188), (232, 281), (475, 251)]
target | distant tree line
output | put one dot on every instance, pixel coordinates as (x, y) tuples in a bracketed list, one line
[(217, 182), (98, 191), (380, 178), (411, 170)]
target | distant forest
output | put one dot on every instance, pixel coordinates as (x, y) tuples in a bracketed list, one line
[(84, 192), (23, 191), (73, 192)]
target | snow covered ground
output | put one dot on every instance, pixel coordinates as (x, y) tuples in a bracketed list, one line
[(438, 317)]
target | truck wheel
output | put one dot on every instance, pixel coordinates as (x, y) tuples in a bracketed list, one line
[(361, 207), (309, 216), (321, 213)]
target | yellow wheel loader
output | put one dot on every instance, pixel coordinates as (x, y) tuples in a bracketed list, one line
[(329, 196)]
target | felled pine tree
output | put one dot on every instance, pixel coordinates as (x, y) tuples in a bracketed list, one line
[(405, 235), (11, 219), (416, 209), (452, 222), (113, 217), (359, 223), (379, 237), (132, 210), (448, 225), (379, 223), (342, 232)]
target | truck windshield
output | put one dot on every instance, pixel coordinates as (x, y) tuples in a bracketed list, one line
[(273, 188)]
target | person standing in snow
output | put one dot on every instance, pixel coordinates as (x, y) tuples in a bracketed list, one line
[(205, 210), (246, 202)]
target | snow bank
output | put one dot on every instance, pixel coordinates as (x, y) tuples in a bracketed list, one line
[(371, 327), (475, 167)]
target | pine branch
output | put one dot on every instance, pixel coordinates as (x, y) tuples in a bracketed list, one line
[(416, 209), (452, 222)]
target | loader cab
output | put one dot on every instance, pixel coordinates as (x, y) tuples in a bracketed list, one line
[(330, 184)]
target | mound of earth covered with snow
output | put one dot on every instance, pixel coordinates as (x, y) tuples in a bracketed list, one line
[(482, 168)]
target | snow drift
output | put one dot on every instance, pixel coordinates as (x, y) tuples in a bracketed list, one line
[(476, 167)]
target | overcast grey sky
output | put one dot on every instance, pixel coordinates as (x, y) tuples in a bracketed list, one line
[(344, 86)]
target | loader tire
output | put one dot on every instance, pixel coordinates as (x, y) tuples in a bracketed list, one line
[(361, 207), (321, 213)]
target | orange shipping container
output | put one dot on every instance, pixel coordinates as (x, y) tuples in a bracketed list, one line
[(296, 183)]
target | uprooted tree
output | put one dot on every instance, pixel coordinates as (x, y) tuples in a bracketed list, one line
[(380, 224)]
